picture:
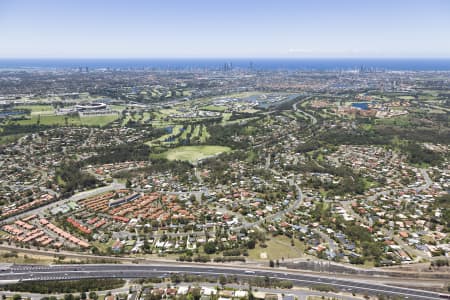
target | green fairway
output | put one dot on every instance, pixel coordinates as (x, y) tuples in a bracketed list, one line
[(175, 131), (185, 132), (194, 153), (204, 134)]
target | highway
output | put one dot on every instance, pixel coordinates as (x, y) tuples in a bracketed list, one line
[(67, 272)]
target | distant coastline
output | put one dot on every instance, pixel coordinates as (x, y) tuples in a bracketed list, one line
[(318, 64)]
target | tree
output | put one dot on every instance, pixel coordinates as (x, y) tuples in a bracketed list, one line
[(271, 263), (93, 296), (68, 297), (209, 247), (222, 280), (17, 297), (251, 244), (250, 293)]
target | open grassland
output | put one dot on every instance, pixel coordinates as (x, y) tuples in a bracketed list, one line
[(193, 153)]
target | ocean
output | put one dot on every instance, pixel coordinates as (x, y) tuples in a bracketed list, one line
[(327, 64)]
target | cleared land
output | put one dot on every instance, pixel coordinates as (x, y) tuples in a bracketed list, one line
[(194, 153)]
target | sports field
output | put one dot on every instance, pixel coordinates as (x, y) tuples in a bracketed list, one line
[(194, 153)]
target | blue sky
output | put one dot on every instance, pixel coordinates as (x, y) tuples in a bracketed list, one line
[(224, 28)]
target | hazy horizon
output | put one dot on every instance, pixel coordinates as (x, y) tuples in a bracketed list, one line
[(393, 64), (230, 29)]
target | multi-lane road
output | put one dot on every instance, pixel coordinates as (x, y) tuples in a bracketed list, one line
[(66, 272)]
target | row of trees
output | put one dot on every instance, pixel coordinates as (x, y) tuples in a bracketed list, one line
[(68, 286)]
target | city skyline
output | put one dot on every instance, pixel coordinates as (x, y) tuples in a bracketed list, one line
[(201, 29)]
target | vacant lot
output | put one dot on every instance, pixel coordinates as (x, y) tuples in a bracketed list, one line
[(194, 153), (277, 248)]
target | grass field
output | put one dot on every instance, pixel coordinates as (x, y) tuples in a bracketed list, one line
[(50, 120), (38, 109), (22, 258), (398, 121), (10, 138), (193, 153), (65, 120), (98, 120), (118, 107), (277, 248), (214, 108)]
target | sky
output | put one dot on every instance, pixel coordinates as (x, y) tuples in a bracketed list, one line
[(224, 28)]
